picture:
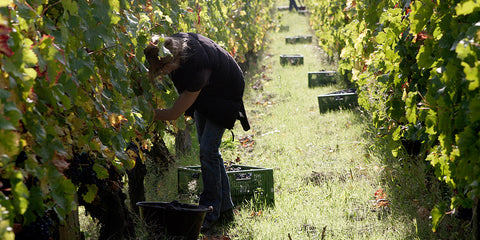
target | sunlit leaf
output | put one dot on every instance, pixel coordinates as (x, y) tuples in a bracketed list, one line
[(467, 7), (19, 191), (438, 212)]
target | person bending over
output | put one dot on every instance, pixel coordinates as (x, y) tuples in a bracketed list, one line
[(210, 85)]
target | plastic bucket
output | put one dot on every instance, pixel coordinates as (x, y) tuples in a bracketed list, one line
[(172, 220)]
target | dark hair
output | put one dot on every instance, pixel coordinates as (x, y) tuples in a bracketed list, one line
[(176, 46)]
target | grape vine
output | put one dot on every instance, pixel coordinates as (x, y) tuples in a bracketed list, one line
[(73, 81)]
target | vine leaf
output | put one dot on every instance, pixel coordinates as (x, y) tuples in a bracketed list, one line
[(438, 212), (472, 74), (101, 172), (421, 13), (467, 7), (19, 191), (90, 195)]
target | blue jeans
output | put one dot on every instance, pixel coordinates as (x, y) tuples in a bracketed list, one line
[(216, 188), (292, 5)]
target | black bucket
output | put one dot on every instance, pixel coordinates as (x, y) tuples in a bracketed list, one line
[(172, 220)]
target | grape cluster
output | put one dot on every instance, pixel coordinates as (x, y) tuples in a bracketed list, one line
[(81, 170), (81, 173), (40, 229)]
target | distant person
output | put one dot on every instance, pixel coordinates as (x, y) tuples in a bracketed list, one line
[(293, 4), (211, 86)]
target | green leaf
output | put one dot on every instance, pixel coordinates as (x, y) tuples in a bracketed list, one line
[(381, 38), (397, 134), (6, 124), (438, 212), (29, 57), (431, 122), (30, 75), (424, 56), (421, 13), (115, 8), (19, 191), (472, 74), (4, 94), (62, 191), (90, 195), (9, 143), (102, 173), (464, 49), (467, 7), (70, 7), (474, 106), (12, 113), (411, 107)]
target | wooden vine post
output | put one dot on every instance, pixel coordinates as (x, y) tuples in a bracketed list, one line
[(70, 229)]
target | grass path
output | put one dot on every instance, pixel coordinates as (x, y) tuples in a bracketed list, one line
[(325, 180)]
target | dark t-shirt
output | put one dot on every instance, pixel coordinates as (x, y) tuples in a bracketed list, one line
[(220, 99)]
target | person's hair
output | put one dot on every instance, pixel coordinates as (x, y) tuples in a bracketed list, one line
[(177, 48)]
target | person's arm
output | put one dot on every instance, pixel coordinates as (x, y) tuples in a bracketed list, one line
[(183, 102)]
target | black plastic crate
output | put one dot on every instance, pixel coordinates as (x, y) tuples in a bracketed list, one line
[(295, 59), (342, 99), (299, 39), (322, 78), (246, 182)]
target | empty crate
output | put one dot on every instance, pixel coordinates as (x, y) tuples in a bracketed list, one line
[(299, 39), (322, 78), (338, 100), (295, 59), (245, 182)]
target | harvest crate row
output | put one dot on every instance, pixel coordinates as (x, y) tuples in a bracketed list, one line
[(342, 99)]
